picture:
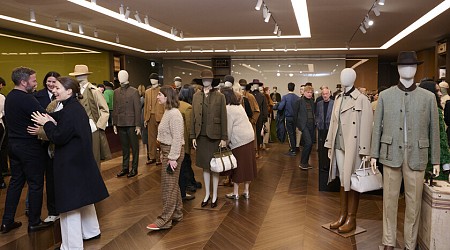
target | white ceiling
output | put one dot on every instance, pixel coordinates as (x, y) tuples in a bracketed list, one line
[(332, 23)]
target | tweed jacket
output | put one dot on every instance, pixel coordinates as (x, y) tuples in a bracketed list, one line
[(322, 123), (216, 127), (422, 128), (186, 111), (152, 107), (95, 105), (356, 117), (254, 105), (127, 107)]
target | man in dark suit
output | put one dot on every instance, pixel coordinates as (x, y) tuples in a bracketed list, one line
[(305, 123)]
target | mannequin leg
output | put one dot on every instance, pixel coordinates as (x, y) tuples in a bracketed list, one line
[(207, 180), (350, 223), (344, 210), (246, 189), (215, 177), (236, 188)]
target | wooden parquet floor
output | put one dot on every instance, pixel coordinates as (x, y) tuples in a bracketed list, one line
[(285, 211)]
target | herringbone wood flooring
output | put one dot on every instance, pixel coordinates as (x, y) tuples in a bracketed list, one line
[(285, 211)]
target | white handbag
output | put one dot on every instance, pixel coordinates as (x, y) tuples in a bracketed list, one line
[(365, 180), (223, 160)]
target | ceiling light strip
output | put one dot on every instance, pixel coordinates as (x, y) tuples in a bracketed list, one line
[(436, 11), (120, 17), (301, 14), (40, 26)]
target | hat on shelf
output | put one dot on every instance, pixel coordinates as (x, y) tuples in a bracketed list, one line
[(407, 58), (256, 81), (80, 69)]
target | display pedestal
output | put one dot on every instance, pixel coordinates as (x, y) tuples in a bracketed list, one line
[(435, 217), (358, 230)]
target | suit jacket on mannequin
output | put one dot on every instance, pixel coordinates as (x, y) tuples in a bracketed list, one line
[(152, 106), (127, 111), (95, 105)]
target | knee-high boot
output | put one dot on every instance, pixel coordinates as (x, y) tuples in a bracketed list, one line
[(344, 210), (350, 222)]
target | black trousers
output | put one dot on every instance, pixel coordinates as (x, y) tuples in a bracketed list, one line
[(128, 138), (50, 187), (324, 161), (4, 150), (27, 158), (307, 136), (290, 128), (186, 175)]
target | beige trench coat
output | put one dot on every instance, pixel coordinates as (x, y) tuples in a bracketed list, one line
[(356, 118)]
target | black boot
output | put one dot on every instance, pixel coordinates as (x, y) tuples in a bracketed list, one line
[(122, 173), (132, 173)]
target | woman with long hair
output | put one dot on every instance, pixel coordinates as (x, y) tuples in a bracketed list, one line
[(171, 137)]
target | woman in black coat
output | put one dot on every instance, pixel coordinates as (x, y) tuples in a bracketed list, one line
[(78, 183)]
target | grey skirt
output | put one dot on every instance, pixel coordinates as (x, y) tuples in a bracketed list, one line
[(206, 148)]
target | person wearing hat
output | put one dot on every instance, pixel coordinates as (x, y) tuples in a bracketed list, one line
[(109, 98), (127, 122), (177, 83), (97, 109), (264, 112), (153, 113), (444, 90), (208, 130), (246, 93), (405, 130)]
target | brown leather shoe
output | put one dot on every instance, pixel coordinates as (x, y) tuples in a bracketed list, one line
[(350, 222), (344, 210)]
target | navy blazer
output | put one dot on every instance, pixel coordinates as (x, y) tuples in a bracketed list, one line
[(43, 98), (320, 122)]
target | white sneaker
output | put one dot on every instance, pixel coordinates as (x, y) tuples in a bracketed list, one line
[(51, 218)]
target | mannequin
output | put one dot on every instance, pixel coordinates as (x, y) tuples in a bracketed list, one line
[(177, 83), (349, 141), (208, 131), (96, 108), (444, 90), (264, 112), (405, 130), (126, 120), (153, 113)]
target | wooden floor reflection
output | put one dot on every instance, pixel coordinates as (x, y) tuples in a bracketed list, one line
[(285, 211)]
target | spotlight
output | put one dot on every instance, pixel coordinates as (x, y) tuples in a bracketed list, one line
[(267, 17), (376, 11), (362, 29), (69, 26), (136, 16), (258, 5), (265, 11), (57, 24), (95, 32), (32, 16), (380, 2), (117, 38), (127, 13), (80, 29), (275, 31), (181, 35), (366, 22), (172, 31), (121, 10), (146, 20), (279, 33)]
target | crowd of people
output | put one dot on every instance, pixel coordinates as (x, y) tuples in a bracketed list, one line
[(59, 133)]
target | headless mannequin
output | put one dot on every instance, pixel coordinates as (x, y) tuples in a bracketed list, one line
[(123, 79), (349, 199), (207, 173), (407, 73)]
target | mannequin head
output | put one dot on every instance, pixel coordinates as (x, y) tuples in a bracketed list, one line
[(229, 80), (81, 72), (348, 77), (123, 77), (407, 66), (82, 78), (275, 89), (177, 81), (444, 87), (154, 80)]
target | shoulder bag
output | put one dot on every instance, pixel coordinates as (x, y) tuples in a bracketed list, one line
[(223, 160), (365, 180)]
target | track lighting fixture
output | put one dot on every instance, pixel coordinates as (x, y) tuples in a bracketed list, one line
[(95, 32), (267, 17), (362, 29), (375, 10), (181, 35), (275, 30), (32, 16), (146, 20), (265, 11), (380, 2), (258, 5), (57, 24), (137, 17), (69, 26), (366, 22), (80, 29), (279, 33), (127, 13), (117, 38), (121, 10)]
